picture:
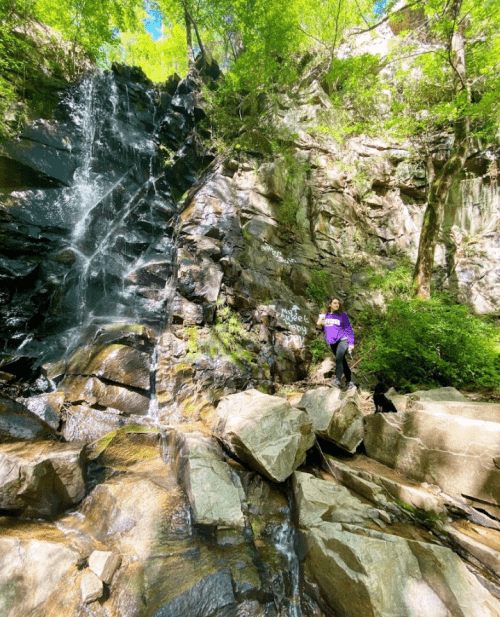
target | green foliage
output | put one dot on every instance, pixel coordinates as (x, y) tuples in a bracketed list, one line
[(357, 87), (295, 184), (193, 344), (159, 59), (12, 64), (430, 95), (319, 349), (427, 518), (91, 24), (396, 283), (325, 22), (227, 336), (430, 341), (319, 287)]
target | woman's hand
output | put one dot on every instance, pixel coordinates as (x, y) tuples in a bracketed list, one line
[(351, 347)]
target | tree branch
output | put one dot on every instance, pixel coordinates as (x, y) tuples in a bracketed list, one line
[(313, 37), (336, 28), (195, 26), (361, 12), (387, 17)]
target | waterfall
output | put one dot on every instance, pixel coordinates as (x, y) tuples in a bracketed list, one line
[(284, 538), (112, 252)]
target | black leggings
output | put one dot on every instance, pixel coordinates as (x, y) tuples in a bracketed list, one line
[(339, 350)]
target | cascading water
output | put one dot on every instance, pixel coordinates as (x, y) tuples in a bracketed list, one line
[(108, 248), (284, 539)]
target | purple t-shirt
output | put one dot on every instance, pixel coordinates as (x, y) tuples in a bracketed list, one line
[(338, 327)]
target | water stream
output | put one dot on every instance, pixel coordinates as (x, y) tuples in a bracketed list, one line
[(285, 543), (114, 222)]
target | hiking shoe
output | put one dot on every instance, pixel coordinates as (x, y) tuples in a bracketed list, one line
[(351, 386), (336, 383)]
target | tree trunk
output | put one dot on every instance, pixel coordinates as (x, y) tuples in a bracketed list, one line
[(439, 190), (190, 21), (189, 38), (440, 182)]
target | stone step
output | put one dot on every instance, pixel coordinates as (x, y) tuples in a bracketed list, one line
[(489, 412)]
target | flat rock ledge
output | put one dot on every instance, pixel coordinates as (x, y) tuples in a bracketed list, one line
[(367, 569), (453, 444), (381, 575)]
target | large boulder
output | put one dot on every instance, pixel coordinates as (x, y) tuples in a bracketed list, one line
[(84, 423), (438, 394), (17, 423), (120, 364), (455, 445), (214, 489), (41, 479), (320, 500), (381, 575), (336, 416), (47, 407), (264, 432), (31, 569), (94, 391)]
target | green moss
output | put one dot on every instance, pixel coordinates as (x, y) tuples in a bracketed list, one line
[(192, 334), (320, 287), (427, 518), (101, 444)]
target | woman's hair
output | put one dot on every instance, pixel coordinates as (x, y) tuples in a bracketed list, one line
[(341, 304)]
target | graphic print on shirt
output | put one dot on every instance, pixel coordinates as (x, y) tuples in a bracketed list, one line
[(332, 322), (337, 327)]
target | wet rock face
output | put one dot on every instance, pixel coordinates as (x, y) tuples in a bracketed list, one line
[(89, 231), (173, 525), (19, 423), (41, 479), (60, 563), (152, 556)]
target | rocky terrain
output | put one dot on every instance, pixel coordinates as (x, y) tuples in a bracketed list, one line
[(155, 300)]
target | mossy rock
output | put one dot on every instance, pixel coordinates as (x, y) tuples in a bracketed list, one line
[(126, 445)]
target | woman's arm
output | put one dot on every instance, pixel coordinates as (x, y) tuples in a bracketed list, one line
[(348, 329), (321, 321)]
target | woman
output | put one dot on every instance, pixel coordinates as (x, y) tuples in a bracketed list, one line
[(339, 335)]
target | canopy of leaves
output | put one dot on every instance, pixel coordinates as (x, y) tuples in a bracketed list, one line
[(11, 58), (159, 59), (418, 88), (91, 24)]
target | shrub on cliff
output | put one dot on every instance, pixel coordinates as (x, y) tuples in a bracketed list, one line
[(434, 341)]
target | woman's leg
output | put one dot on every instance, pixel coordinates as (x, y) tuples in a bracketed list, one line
[(339, 350), (347, 370), (341, 362)]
